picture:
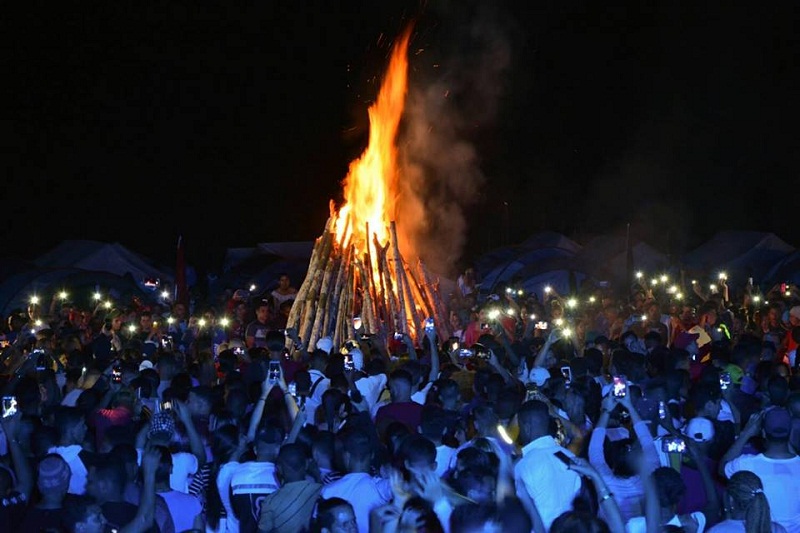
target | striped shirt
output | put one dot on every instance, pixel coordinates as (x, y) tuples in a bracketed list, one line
[(289, 509)]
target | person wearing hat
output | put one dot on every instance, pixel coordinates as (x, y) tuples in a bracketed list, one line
[(778, 466), (53, 482), (700, 430)]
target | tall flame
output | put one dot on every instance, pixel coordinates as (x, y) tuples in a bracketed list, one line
[(371, 188)]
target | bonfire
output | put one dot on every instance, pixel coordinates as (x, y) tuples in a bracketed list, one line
[(357, 270)]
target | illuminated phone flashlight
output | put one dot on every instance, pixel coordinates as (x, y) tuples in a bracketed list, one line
[(644, 318), (673, 289), (679, 296), (723, 276), (788, 292), (592, 299), (252, 287), (712, 287), (493, 314), (34, 299), (510, 311), (520, 293), (165, 294), (639, 275), (201, 322), (533, 317), (107, 304), (566, 332), (132, 328), (37, 323), (504, 434), (756, 298), (155, 324), (225, 321), (547, 289), (572, 302), (664, 278), (509, 290), (63, 295), (558, 321), (654, 281), (97, 296), (170, 320)]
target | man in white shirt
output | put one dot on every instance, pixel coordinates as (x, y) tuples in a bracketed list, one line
[(541, 475), (357, 486), (319, 383), (72, 431), (183, 508), (778, 466)]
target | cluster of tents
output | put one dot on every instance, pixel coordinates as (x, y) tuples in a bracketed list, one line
[(545, 258)]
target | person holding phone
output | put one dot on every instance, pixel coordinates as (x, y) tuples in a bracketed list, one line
[(620, 467)]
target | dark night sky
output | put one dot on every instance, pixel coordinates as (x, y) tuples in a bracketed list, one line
[(234, 125)]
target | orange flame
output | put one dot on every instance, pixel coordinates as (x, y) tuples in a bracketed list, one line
[(371, 188)]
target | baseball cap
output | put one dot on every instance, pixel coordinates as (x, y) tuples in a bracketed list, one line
[(539, 375), (161, 425), (700, 429), (777, 423), (325, 344)]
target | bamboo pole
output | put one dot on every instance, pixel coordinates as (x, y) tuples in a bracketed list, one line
[(330, 316), (312, 297), (442, 320), (398, 271), (391, 297), (322, 304)]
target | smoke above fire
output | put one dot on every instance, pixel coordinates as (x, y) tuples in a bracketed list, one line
[(452, 98)]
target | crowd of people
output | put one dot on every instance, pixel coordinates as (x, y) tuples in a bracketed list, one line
[(643, 408)]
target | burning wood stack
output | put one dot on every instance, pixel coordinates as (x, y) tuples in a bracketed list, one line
[(388, 294), (356, 269)]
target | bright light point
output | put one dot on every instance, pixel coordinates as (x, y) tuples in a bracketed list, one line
[(673, 289), (165, 294), (788, 293), (592, 299), (520, 292), (558, 321), (723, 275), (107, 304), (533, 317), (572, 302), (654, 281), (679, 296), (37, 322), (97, 296), (664, 278), (567, 332), (34, 299), (201, 322), (170, 320), (132, 328), (509, 290), (504, 435), (712, 287), (756, 299), (694, 282), (547, 289), (644, 318), (62, 295), (639, 275), (510, 312), (493, 314), (252, 287), (225, 321)]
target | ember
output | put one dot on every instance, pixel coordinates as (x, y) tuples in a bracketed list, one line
[(356, 268)]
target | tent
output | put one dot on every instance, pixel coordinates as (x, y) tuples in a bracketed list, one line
[(741, 254), (95, 256), (785, 270), (544, 258), (605, 256)]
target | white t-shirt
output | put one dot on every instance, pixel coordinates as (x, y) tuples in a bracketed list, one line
[(637, 524), (444, 455), (421, 395), (781, 481), (183, 508), (363, 493), (737, 526), (77, 482), (371, 387)]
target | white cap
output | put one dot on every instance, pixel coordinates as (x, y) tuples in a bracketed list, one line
[(325, 344)]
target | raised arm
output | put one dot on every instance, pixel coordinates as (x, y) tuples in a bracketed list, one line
[(195, 442)]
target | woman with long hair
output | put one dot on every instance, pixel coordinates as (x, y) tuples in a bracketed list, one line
[(746, 507), (227, 445)]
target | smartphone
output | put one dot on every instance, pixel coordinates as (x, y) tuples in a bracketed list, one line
[(429, 326), (274, 371), (465, 353), (116, 374), (673, 445), (484, 325), (482, 352), (348, 363), (531, 391), (662, 410), (541, 325), (9, 406), (564, 458), (238, 350), (724, 380), (567, 373), (166, 406), (166, 342), (357, 323), (398, 336), (620, 387)]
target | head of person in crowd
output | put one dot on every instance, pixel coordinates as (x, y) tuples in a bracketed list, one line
[(335, 515)]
